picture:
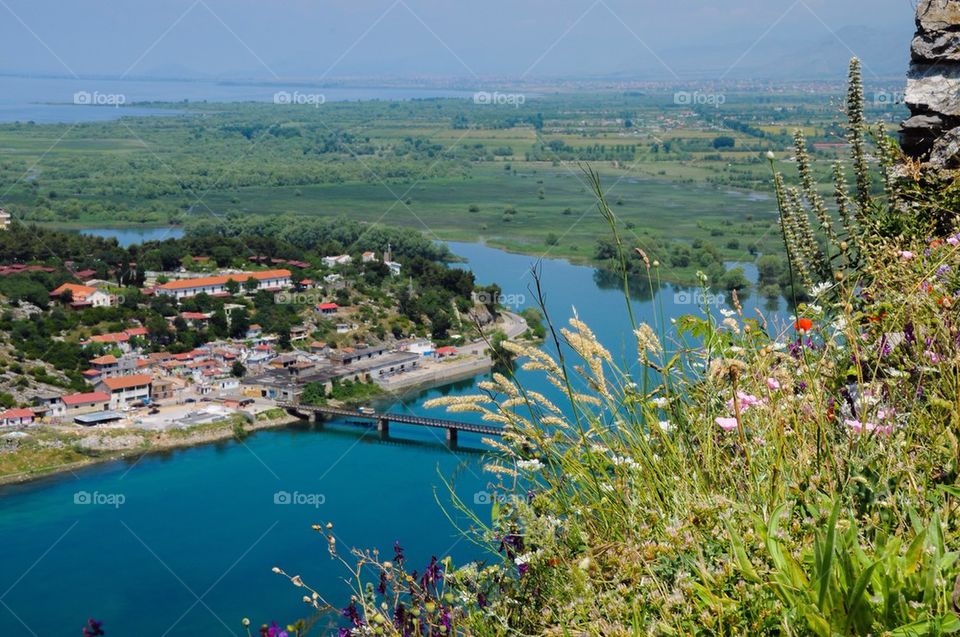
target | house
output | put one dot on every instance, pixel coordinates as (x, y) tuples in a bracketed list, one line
[(367, 257), (254, 331), (196, 319), (420, 346), (298, 332), (166, 389), (270, 280), (16, 417), (83, 295), (4, 219), (327, 309), (330, 279), (445, 352), (82, 403), (126, 390), (318, 347), (340, 259), (106, 365)]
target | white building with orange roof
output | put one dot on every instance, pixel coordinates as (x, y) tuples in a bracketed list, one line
[(126, 390), (272, 280), (83, 295)]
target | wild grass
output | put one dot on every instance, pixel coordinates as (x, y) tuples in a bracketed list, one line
[(740, 478)]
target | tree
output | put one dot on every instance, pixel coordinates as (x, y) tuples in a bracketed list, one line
[(238, 369), (724, 142), (233, 287)]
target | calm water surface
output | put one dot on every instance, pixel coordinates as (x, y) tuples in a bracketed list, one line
[(190, 549)]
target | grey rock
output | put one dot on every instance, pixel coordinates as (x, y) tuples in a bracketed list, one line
[(938, 15), (946, 150), (934, 89), (936, 47), (918, 134)]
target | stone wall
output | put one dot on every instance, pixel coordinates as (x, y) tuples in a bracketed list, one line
[(933, 86)]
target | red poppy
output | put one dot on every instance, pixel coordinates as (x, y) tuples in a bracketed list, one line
[(936, 243), (803, 325)]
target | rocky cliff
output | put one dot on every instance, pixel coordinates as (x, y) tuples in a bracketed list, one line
[(933, 86)]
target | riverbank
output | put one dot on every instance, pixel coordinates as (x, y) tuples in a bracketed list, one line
[(46, 450)]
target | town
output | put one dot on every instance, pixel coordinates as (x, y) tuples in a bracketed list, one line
[(189, 350)]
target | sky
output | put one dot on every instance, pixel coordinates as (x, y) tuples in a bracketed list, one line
[(468, 39)]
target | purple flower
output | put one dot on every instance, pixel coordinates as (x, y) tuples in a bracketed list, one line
[(382, 585), (93, 628), (482, 600), (276, 631), (511, 544), (397, 553), (522, 569), (351, 613)]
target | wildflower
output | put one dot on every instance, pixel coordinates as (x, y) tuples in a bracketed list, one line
[(820, 288), (398, 553), (727, 424), (530, 465), (746, 401), (93, 628), (666, 426), (732, 324), (803, 325), (857, 426), (906, 255), (773, 384), (647, 341), (770, 155), (954, 240), (660, 402)]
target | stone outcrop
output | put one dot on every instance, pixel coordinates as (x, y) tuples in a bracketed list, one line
[(933, 86)]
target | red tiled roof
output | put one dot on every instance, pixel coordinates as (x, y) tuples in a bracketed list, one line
[(79, 292), (125, 382), (17, 413), (90, 373), (108, 359), (194, 316), (327, 306), (447, 350), (136, 331), (85, 398), (188, 284), (114, 337)]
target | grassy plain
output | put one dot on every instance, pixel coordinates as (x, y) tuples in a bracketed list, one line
[(508, 176)]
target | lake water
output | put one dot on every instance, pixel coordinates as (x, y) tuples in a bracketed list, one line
[(131, 235), (51, 100), (202, 523)]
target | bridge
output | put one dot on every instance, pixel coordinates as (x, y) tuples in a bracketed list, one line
[(383, 420)]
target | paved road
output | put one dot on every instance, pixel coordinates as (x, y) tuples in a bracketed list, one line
[(513, 325)]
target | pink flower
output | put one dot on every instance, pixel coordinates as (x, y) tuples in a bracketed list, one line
[(857, 426), (906, 255), (773, 384), (727, 424), (746, 401), (954, 240)]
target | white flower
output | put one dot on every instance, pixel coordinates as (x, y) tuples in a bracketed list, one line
[(779, 346), (626, 461), (820, 288), (660, 403), (530, 465), (816, 309), (770, 155), (727, 313), (666, 426)]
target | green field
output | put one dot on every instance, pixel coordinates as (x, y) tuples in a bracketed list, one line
[(512, 177)]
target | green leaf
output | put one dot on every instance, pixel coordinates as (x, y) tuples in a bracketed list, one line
[(826, 566), (856, 597), (746, 568)]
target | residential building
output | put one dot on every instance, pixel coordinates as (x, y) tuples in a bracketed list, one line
[(340, 259), (126, 390), (83, 295), (367, 257), (4, 219), (16, 417), (394, 267), (327, 309), (81, 403), (217, 285)]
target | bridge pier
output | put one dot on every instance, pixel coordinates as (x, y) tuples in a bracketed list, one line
[(451, 437), (383, 426)]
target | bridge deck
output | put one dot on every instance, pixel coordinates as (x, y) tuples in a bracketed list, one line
[(405, 419)]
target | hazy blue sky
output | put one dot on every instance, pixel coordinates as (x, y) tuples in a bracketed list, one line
[(516, 38)]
